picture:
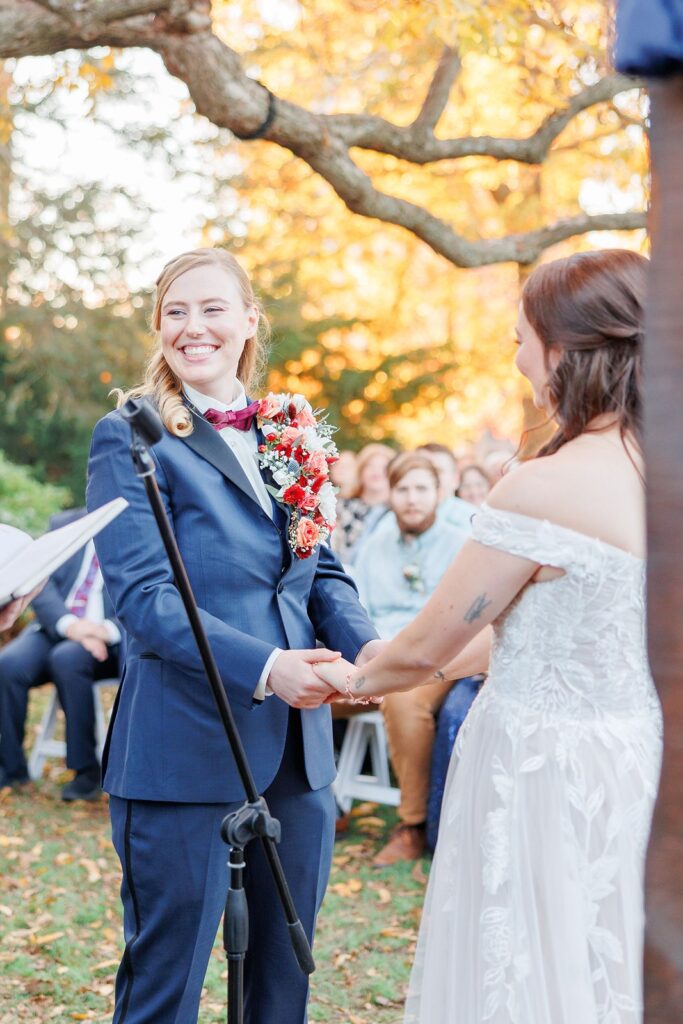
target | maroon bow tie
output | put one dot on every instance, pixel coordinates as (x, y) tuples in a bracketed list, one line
[(241, 419)]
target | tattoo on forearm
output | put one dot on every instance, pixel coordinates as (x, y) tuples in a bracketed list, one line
[(360, 682), (439, 675), (476, 608)]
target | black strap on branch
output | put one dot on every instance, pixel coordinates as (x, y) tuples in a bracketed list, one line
[(259, 132)]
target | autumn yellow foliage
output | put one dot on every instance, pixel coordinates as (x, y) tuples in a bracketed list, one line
[(520, 61)]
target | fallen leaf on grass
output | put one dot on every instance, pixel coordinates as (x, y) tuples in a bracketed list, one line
[(94, 874), (363, 809), (345, 889), (105, 963), (384, 896), (44, 940), (371, 822)]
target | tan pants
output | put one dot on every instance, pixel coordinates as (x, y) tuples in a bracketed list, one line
[(410, 722)]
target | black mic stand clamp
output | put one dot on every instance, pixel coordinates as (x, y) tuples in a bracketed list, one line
[(252, 820)]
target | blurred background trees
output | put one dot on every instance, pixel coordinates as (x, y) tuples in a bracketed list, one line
[(397, 341)]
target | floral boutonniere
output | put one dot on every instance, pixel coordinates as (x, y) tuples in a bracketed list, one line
[(413, 577), (299, 451)]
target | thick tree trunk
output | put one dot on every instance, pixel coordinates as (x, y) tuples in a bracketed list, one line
[(663, 435)]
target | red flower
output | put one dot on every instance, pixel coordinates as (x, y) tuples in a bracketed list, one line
[(294, 495), (316, 484), (299, 455), (309, 503)]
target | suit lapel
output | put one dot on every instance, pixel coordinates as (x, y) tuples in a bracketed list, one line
[(208, 444)]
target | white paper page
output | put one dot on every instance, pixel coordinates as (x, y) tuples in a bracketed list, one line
[(40, 558)]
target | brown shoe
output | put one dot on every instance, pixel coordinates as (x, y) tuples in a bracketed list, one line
[(341, 826), (407, 843)]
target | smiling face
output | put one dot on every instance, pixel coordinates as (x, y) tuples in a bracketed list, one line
[(534, 361), (204, 325)]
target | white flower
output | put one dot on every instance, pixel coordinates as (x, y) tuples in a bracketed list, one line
[(281, 476), (312, 441), (299, 403), (328, 502)]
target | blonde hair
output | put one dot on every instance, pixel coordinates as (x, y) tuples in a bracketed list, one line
[(160, 382)]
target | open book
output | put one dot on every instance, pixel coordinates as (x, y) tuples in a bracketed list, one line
[(24, 562)]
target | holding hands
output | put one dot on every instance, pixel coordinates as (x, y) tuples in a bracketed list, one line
[(307, 679)]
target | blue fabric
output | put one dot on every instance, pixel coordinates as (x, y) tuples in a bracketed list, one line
[(380, 567), (649, 37), (452, 714), (166, 741), (174, 887)]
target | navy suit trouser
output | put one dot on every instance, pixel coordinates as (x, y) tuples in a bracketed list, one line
[(31, 660), (175, 881)]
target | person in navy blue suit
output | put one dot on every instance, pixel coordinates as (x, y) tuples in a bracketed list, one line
[(73, 643), (167, 765)]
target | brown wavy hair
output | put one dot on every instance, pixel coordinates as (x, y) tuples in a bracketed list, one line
[(589, 307), (160, 382)]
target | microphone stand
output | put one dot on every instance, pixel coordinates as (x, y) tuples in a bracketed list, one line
[(253, 818)]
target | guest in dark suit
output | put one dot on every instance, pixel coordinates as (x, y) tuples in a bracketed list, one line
[(73, 643), (168, 769)]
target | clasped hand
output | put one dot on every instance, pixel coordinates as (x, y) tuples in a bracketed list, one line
[(307, 679), (340, 674)]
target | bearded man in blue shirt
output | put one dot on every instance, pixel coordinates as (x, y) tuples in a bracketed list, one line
[(396, 574)]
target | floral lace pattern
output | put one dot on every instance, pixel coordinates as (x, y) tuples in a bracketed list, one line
[(534, 912)]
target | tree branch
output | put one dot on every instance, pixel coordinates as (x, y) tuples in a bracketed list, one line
[(439, 90), (180, 31)]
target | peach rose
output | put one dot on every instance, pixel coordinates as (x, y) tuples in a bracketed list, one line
[(268, 407), (307, 534), (317, 464), (289, 435), (305, 418)]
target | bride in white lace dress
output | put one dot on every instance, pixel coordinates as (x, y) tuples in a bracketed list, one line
[(534, 909)]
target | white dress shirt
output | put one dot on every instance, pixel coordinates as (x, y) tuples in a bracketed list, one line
[(244, 446), (94, 609)]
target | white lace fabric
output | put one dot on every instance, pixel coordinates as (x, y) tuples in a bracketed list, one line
[(534, 909)]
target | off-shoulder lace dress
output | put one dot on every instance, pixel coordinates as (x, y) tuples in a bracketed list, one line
[(534, 909)]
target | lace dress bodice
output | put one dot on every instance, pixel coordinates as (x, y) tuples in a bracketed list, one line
[(573, 646)]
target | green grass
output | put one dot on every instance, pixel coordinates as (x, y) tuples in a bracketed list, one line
[(60, 931)]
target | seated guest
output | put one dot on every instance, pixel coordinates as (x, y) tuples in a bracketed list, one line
[(396, 573), (343, 474), (358, 514), (474, 485), (452, 509), (73, 643)]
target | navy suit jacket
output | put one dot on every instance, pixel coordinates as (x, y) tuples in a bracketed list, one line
[(49, 606), (166, 741)]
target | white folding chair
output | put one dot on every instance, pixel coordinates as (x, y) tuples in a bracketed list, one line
[(46, 745), (364, 735)]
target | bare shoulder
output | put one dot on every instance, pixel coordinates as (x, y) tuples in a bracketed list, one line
[(534, 488), (591, 485)]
